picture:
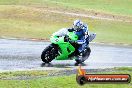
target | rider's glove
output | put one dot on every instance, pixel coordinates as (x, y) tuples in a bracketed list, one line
[(71, 29)]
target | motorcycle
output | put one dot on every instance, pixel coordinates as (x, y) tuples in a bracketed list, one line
[(65, 47)]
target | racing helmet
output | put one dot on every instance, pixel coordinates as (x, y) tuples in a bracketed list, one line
[(77, 25)]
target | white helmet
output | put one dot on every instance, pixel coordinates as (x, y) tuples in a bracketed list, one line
[(77, 25)]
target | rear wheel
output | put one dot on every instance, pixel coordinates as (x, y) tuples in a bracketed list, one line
[(49, 53), (84, 55)]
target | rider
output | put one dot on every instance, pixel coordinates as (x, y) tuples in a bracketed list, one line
[(81, 30)]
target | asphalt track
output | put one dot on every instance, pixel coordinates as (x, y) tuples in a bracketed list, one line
[(25, 55)]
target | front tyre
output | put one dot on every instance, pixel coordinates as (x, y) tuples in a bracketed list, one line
[(49, 53)]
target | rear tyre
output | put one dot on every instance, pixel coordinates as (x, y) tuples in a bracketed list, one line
[(84, 56), (49, 53)]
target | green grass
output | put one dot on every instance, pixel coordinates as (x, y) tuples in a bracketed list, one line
[(123, 68), (43, 24), (120, 7), (33, 73), (28, 19), (58, 81), (112, 31)]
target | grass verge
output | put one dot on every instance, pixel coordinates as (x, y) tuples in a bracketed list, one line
[(119, 7), (62, 81), (31, 19)]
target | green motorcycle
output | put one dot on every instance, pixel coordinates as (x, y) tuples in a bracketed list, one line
[(65, 47)]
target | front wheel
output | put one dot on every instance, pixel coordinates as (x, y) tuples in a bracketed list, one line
[(49, 53)]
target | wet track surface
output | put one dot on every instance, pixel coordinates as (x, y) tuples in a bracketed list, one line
[(25, 55)]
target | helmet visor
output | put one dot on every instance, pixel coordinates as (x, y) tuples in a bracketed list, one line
[(76, 27)]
